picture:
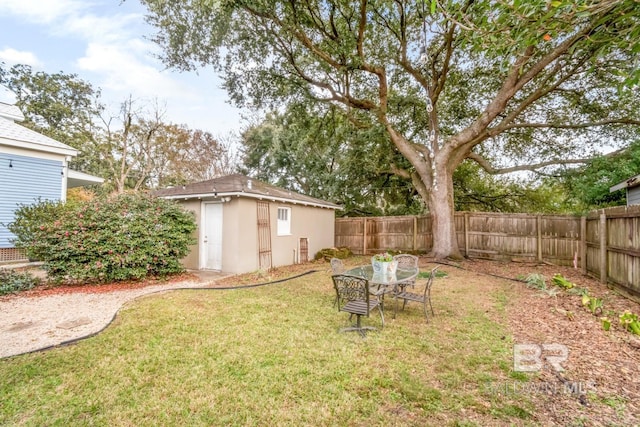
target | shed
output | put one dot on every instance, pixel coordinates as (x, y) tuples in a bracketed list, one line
[(632, 187), (246, 225), (32, 166)]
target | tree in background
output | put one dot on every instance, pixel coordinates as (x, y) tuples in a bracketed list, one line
[(193, 156), (510, 85), (587, 187), (316, 150), (477, 190), (322, 154), (132, 149), (60, 106)]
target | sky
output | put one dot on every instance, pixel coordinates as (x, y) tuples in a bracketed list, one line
[(106, 43)]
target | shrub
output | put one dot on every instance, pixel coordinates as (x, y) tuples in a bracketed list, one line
[(328, 253), (123, 237), (28, 220), (12, 281)]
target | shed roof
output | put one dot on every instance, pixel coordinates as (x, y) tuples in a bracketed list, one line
[(241, 186), (634, 181)]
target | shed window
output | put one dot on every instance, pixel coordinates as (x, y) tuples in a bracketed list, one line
[(284, 221)]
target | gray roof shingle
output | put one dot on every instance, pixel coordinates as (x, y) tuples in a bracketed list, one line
[(238, 184), (17, 134), (11, 112)]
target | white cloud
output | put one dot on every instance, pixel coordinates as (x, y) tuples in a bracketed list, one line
[(123, 71), (11, 56), (41, 12), (110, 28), (114, 56)]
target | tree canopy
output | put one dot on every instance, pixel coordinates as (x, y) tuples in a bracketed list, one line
[(511, 85), (135, 148)]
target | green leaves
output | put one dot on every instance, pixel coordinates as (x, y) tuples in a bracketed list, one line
[(130, 236)]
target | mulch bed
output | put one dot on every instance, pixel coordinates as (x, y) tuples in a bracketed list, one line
[(48, 289), (600, 385)]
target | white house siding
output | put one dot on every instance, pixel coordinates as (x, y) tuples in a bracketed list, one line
[(633, 196), (27, 180)]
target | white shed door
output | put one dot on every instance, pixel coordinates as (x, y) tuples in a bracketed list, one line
[(212, 239)]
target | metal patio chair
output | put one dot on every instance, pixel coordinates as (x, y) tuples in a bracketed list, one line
[(337, 267), (406, 261), (353, 297), (423, 297)]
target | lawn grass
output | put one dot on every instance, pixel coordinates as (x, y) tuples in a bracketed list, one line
[(272, 356)]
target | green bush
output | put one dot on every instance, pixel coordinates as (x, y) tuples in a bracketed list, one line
[(13, 281), (123, 237), (29, 218)]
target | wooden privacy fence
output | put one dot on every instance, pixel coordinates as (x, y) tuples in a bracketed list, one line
[(605, 243)]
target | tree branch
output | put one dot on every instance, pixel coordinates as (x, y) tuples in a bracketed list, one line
[(484, 164), (619, 121)]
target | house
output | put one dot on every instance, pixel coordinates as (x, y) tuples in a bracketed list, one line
[(245, 225), (632, 187), (32, 167)]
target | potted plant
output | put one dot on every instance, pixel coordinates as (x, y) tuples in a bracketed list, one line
[(384, 263)]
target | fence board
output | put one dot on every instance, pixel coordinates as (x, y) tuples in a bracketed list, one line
[(559, 239)]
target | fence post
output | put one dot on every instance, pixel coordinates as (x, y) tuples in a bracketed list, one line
[(583, 244), (466, 234), (415, 233), (364, 235), (539, 237), (603, 247)]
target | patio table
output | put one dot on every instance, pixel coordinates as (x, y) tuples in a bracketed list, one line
[(384, 283)]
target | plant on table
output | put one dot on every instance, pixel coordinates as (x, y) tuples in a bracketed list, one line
[(383, 257)]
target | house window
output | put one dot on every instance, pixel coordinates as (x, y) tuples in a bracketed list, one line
[(284, 221)]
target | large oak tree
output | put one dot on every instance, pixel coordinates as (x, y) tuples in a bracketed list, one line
[(512, 85)]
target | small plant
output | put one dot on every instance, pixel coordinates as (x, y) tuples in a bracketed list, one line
[(560, 281), (592, 303), (606, 323), (630, 322), (12, 281), (537, 281), (383, 257)]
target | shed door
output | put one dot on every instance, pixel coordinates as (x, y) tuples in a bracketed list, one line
[(212, 239)]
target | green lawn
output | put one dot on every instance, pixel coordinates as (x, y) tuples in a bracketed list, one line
[(272, 356)]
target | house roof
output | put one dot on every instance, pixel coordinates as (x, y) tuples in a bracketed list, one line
[(11, 112), (13, 134), (240, 186), (628, 183)]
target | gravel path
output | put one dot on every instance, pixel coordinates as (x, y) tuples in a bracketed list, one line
[(34, 323)]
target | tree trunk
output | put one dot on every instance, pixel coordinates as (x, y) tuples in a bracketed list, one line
[(442, 213)]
